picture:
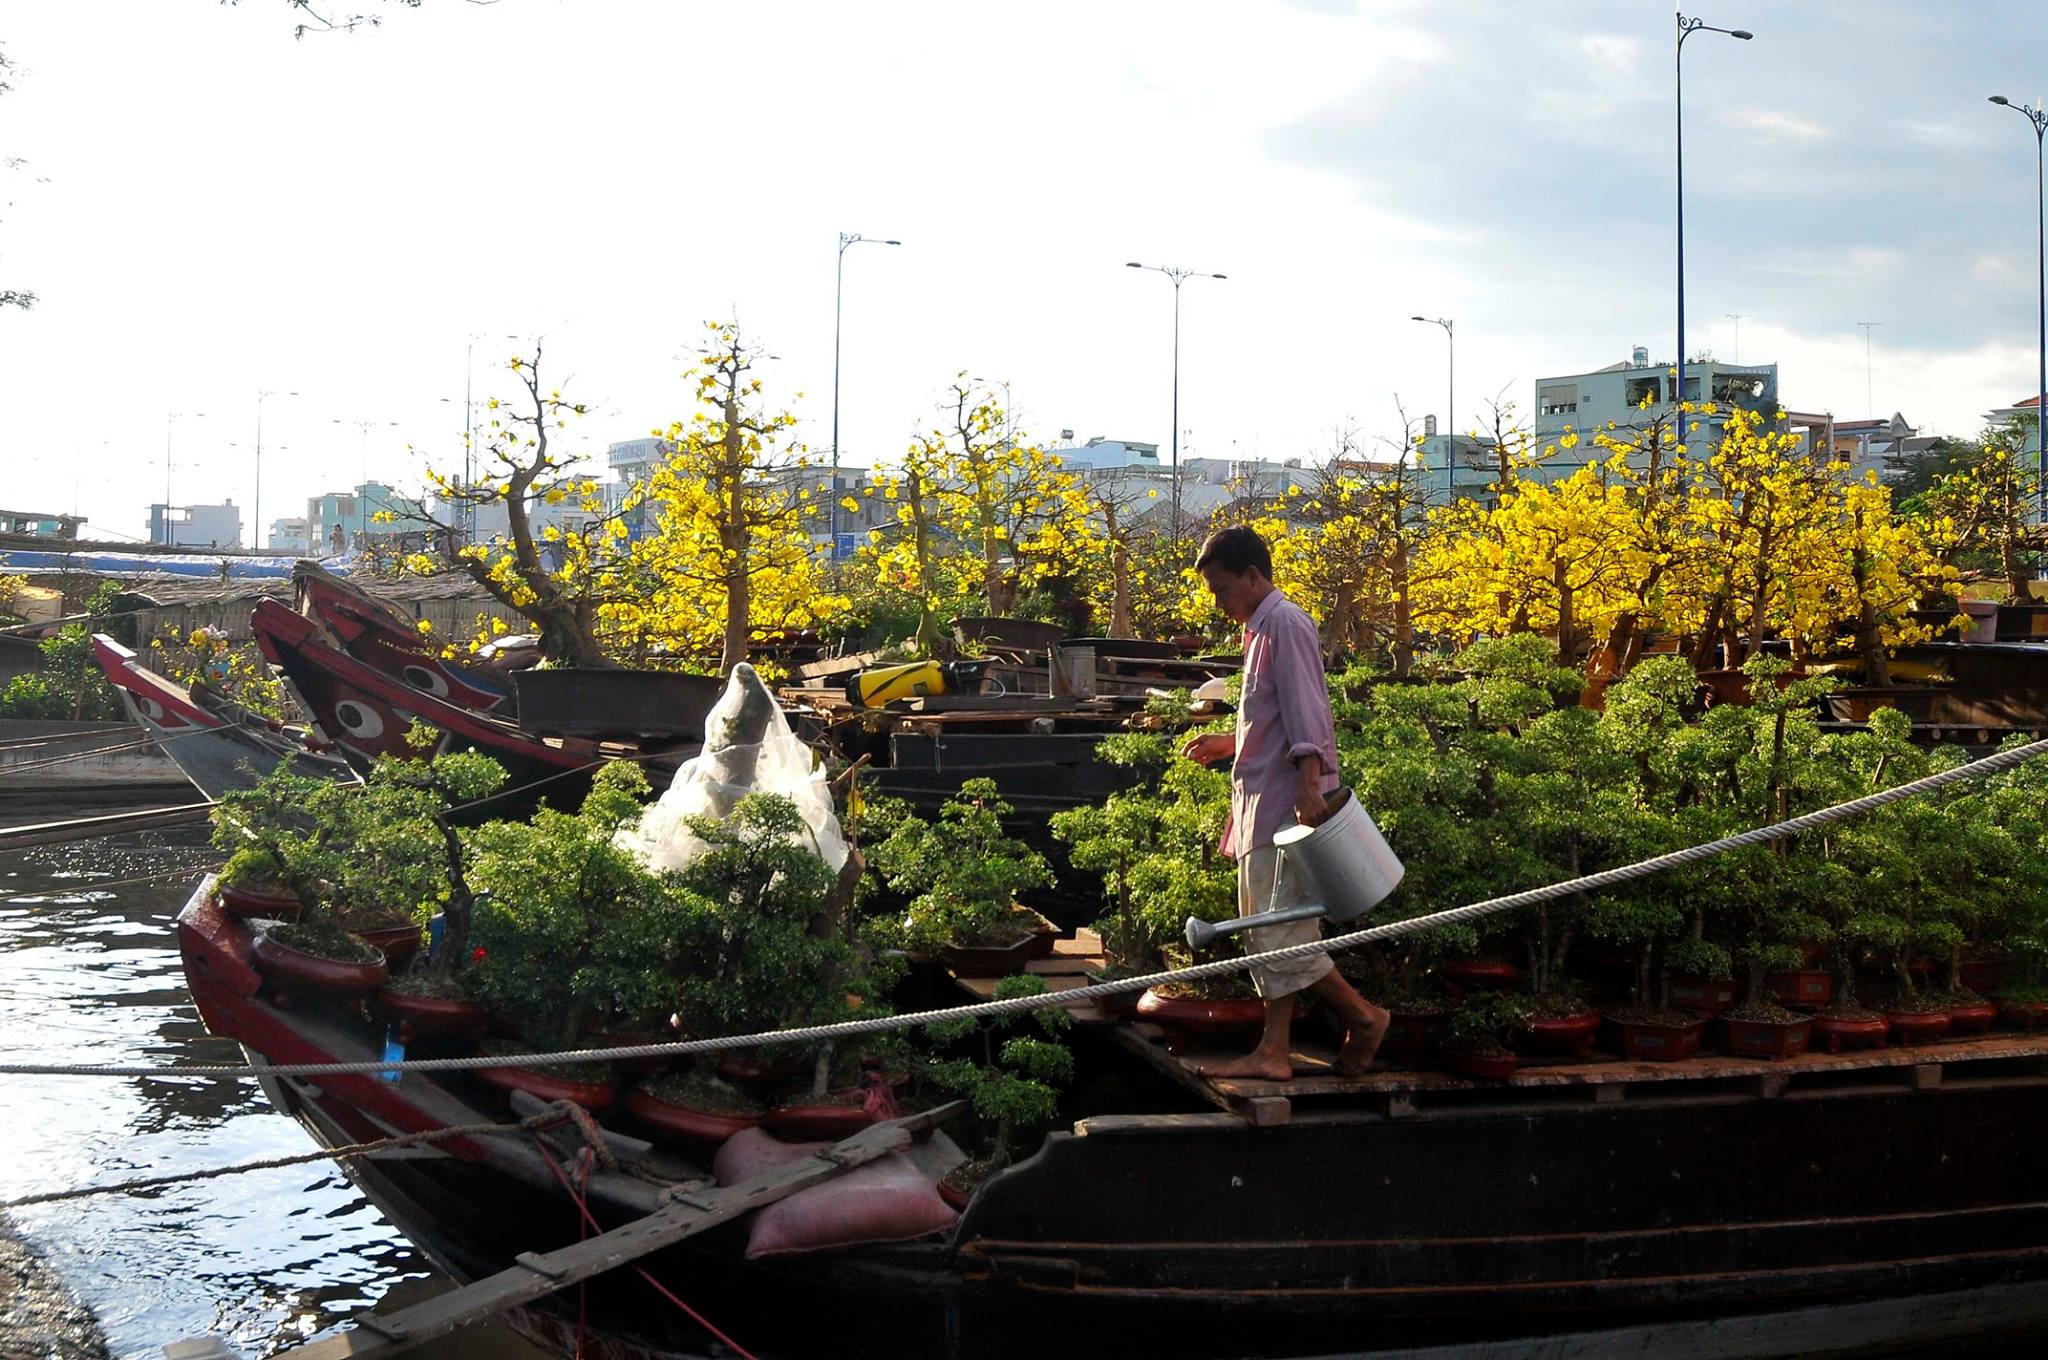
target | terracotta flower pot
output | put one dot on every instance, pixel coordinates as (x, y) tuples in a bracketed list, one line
[(701, 1129), (1237, 1020), (1467, 974), (1801, 987), (1478, 1066), (1839, 1033), (1654, 1042), (1044, 936), (1917, 1027), (817, 1121), (596, 1093), (295, 970), (1569, 1036), (1762, 1038), (2027, 1015), (399, 943), (1411, 1034), (431, 1017), (766, 1067), (1971, 1017), (955, 1197), (249, 904), (1709, 996), (632, 1069)]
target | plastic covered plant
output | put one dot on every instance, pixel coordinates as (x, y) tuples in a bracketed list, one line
[(1013, 1083), (965, 872)]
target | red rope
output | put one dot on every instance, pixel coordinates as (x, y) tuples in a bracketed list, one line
[(659, 1288)]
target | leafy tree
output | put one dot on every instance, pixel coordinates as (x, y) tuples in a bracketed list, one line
[(966, 873), (1014, 1083), (1979, 506)]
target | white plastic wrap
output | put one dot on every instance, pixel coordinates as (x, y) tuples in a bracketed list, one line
[(748, 748)]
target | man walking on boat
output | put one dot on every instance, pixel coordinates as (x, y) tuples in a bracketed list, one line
[(1283, 767)]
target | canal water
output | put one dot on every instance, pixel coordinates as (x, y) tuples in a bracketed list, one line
[(89, 974)]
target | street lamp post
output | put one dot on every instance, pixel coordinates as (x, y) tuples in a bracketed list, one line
[(847, 240), (1451, 407), (171, 424), (256, 506), (1686, 28), (2039, 118), (1179, 276), (362, 491)]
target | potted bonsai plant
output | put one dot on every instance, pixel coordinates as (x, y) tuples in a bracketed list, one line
[(1474, 1040), (966, 874), (1011, 1082)]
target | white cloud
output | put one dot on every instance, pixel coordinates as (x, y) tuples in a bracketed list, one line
[(1775, 126)]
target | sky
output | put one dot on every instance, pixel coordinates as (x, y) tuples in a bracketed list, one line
[(370, 224)]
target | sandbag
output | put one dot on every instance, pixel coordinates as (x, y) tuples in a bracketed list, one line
[(888, 1200)]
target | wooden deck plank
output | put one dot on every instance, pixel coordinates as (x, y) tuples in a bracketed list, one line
[(536, 1275)]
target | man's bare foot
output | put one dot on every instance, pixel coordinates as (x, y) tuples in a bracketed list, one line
[(1362, 1043), (1258, 1064)]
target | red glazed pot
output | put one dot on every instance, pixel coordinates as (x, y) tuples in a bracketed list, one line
[(679, 1123), (984, 961), (1803, 987), (1657, 1043), (1239, 1020), (596, 1094), (1569, 1036), (1411, 1036), (1971, 1017), (770, 1067), (1835, 1035), (258, 905), (296, 970), (635, 1068), (1707, 995), (804, 1123), (2024, 1014), (955, 1197), (1497, 974), (1043, 938), (1117, 1005), (1763, 1038), (1479, 1066), (399, 943), (1917, 1027), (431, 1017)]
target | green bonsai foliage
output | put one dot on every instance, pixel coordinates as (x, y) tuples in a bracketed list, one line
[(1482, 1018), (572, 932), (1013, 1083), (966, 873), (1157, 849)]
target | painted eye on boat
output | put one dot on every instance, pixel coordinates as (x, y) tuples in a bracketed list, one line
[(359, 720), (419, 677), (151, 709)]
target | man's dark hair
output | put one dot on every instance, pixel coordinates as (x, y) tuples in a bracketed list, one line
[(1236, 550)]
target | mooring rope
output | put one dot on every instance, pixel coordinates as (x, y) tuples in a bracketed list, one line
[(850, 1029), (559, 1112)]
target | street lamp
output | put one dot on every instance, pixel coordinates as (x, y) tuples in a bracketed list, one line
[(2039, 118), (256, 507), (171, 424), (1179, 276), (362, 492), (1686, 28), (847, 240), (1451, 410)]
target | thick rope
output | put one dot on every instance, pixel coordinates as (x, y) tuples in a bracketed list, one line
[(1606, 878), (560, 1112)]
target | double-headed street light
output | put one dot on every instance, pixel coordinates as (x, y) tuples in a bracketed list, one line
[(170, 426), (1451, 400), (847, 240), (1686, 28), (1179, 276), (2039, 118), (256, 507), (362, 492)]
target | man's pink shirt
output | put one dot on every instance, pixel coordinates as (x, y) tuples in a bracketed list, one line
[(1282, 715)]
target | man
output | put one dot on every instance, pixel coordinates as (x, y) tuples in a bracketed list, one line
[(1284, 766)]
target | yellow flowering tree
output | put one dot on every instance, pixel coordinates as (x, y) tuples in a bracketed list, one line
[(1978, 509)]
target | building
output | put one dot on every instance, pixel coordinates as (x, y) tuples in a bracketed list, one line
[(1100, 454), (196, 526), (37, 524), (331, 523), (2024, 411), (290, 535), (1882, 446)]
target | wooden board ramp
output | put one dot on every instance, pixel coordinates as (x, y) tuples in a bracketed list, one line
[(535, 1275)]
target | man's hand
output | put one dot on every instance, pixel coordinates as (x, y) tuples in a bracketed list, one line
[(1211, 747), (1310, 806)]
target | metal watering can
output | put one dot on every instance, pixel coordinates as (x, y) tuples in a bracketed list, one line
[(1345, 864)]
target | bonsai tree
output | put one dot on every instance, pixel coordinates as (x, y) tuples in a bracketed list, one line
[(572, 932), (1012, 1081), (1480, 1021), (966, 873)]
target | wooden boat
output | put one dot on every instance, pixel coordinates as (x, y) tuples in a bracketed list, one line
[(1414, 1209), (219, 746), (366, 713), (380, 637)]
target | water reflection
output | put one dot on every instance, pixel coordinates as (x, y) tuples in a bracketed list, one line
[(89, 973)]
